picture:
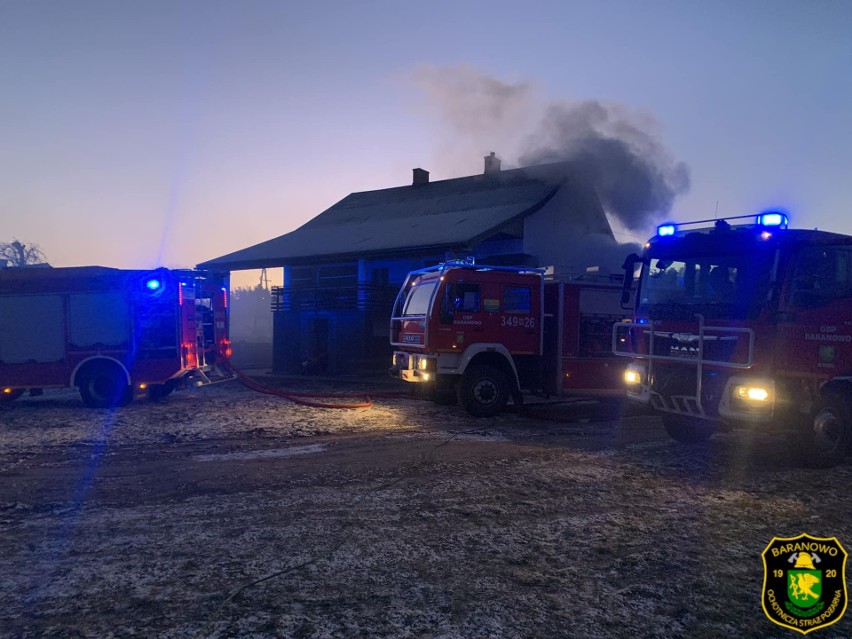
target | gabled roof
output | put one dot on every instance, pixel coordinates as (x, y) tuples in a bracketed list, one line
[(441, 214)]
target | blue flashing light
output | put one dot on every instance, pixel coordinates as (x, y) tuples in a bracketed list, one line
[(665, 230), (772, 218), (153, 284)]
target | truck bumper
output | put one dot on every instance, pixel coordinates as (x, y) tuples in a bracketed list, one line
[(413, 367), (739, 399)]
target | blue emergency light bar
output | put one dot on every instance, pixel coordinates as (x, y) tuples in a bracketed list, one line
[(777, 219), (772, 218), (153, 284)]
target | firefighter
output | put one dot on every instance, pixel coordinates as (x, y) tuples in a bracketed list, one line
[(721, 286)]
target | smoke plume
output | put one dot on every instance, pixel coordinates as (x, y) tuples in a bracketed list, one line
[(474, 114), (635, 176)]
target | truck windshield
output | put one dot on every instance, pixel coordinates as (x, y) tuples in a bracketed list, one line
[(716, 286), (416, 301)]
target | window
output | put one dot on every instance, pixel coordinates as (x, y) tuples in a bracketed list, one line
[(822, 274), (417, 299), (517, 299), (465, 297), (723, 286)]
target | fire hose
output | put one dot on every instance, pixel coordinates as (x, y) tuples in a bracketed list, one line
[(304, 399)]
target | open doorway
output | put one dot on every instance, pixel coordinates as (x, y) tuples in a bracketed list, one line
[(316, 362)]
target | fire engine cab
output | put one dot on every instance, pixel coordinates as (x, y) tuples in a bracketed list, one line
[(741, 322), (115, 334), (482, 334)]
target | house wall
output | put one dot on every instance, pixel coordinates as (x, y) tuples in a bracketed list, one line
[(322, 342), (570, 232), (346, 332), (492, 248)]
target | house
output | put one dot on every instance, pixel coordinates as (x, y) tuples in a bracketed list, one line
[(342, 269)]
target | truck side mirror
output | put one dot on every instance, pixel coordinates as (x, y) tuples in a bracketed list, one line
[(447, 308), (629, 267)]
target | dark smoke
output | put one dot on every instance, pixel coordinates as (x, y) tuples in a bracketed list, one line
[(618, 149), (636, 178)]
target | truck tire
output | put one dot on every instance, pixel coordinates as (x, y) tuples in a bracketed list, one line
[(827, 439), (483, 391), (5, 398), (687, 430), (104, 385)]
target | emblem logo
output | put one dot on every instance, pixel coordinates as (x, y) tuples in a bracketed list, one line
[(804, 582)]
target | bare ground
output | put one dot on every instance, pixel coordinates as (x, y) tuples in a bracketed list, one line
[(220, 512)]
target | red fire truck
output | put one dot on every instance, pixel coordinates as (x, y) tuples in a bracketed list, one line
[(115, 334), (744, 324), (483, 334)]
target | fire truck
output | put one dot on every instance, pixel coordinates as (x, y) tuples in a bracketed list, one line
[(744, 322), (484, 334), (115, 334)]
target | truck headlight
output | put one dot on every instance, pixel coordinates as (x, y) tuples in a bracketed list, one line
[(632, 377), (636, 382), (748, 398), (752, 393), (423, 364)]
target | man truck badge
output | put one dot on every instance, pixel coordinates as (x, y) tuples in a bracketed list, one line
[(804, 582)]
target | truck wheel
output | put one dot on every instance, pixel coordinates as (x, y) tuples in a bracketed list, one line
[(104, 386), (687, 430), (483, 391), (826, 442), (5, 398)]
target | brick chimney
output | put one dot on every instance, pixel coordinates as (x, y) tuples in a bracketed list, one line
[(492, 164), (420, 176)]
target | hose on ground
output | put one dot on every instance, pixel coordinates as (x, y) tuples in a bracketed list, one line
[(303, 399)]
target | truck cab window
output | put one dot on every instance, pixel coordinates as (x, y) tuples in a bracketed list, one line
[(417, 300), (718, 286), (464, 297), (822, 274), (517, 299)]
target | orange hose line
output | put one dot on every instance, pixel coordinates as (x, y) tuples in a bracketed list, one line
[(300, 398)]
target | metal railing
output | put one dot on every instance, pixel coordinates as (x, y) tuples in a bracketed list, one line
[(690, 353), (333, 298)]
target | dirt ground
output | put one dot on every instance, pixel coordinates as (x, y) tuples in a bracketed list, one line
[(220, 512)]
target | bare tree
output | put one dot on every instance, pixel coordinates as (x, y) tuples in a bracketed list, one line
[(15, 253)]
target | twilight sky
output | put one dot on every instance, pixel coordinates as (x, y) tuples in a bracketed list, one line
[(137, 134)]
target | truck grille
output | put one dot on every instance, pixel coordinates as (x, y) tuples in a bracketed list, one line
[(674, 388)]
